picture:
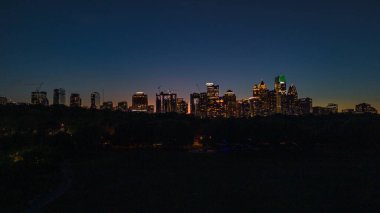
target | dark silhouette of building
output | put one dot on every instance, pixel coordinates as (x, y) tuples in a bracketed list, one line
[(332, 108), (229, 100), (75, 100), (243, 108), (306, 106), (292, 101), (59, 97), (365, 108), (40, 98), (107, 105), (95, 100), (182, 106), (122, 106), (3, 100), (195, 104), (166, 102)]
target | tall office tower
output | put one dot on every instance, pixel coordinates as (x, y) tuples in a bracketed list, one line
[(243, 108), (272, 101), (332, 108), (139, 102), (40, 98), (365, 108), (3, 100), (75, 100), (166, 102), (203, 101), (280, 88), (122, 106), (213, 102), (182, 106), (59, 97), (95, 100), (260, 102), (195, 104), (292, 101), (229, 100), (305, 106)]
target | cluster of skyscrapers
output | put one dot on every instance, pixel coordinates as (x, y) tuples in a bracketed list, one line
[(209, 104), (263, 102)]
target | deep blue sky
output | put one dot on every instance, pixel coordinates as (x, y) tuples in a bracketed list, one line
[(329, 50)]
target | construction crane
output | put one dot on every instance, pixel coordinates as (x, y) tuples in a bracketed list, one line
[(39, 87), (198, 88)]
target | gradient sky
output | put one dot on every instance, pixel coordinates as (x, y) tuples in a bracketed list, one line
[(329, 50)]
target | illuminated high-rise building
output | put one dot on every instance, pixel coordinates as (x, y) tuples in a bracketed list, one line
[(75, 100), (214, 108), (166, 102), (280, 89), (182, 106), (95, 100), (292, 101), (305, 106), (260, 100), (229, 100), (59, 97), (40, 98), (139, 102)]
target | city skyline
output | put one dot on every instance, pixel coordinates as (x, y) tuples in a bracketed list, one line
[(211, 103), (329, 50)]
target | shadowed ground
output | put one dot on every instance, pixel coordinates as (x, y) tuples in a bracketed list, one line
[(152, 181)]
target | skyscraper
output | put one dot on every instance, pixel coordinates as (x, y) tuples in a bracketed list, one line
[(195, 104), (280, 89), (59, 97), (306, 106), (214, 108), (40, 98), (139, 102), (292, 101), (229, 100), (75, 100), (243, 108), (203, 100), (260, 103), (95, 100), (166, 102)]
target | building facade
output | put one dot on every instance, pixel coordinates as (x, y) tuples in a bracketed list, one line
[(59, 97), (75, 100)]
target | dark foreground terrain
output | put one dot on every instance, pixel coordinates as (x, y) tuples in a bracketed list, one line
[(152, 181)]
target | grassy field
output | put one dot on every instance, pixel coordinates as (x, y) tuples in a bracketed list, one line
[(163, 181)]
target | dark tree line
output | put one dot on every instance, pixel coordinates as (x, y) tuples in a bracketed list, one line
[(86, 129)]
